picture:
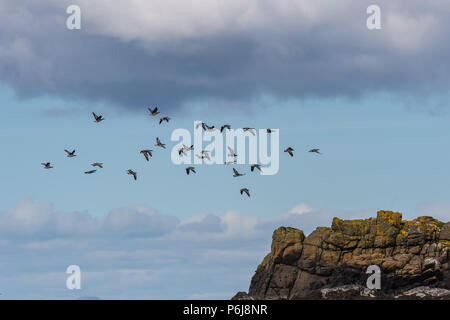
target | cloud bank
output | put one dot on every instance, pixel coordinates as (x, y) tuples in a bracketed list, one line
[(135, 252)]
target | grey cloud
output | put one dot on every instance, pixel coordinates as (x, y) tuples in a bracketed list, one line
[(331, 55)]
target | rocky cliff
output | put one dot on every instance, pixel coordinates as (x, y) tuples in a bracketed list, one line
[(331, 262)]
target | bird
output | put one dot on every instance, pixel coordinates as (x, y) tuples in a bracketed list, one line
[(200, 156), (97, 164), (207, 128), (257, 166), (231, 154), (246, 191), (47, 165), (237, 174), (70, 154), (225, 126), (153, 112), (98, 118), (90, 171), (251, 130), (268, 130), (290, 151), (159, 143), (315, 151), (182, 151), (206, 154), (147, 153), (166, 119), (190, 169), (133, 173)]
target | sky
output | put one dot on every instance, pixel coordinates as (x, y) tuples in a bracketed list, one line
[(374, 101)]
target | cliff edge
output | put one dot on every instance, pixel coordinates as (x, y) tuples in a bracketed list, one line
[(331, 262)]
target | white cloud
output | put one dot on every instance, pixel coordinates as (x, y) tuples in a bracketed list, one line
[(438, 210)]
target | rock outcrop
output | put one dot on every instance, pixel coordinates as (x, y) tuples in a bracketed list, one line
[(331, 262)]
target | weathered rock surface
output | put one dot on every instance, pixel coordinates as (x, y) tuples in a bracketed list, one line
[(331, 263)]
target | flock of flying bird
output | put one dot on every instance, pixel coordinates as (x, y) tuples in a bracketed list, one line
[(147, 153)]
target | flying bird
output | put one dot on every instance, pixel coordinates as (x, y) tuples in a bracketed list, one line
[(251, 130), (188, 148), (133, 173), (98, 118), (246, 191), (47, 165), (190, 169), (70, 154), (153, 112), (231, 154), (185, 149), (97, 164), (159, 143), (257, 166), (147, 153), (315, 151), (207, 128), (166, 119), (225, 126), (290, 151), (90, 171), (237, 174)]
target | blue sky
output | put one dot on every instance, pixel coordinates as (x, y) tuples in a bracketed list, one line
[(376, 104)]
